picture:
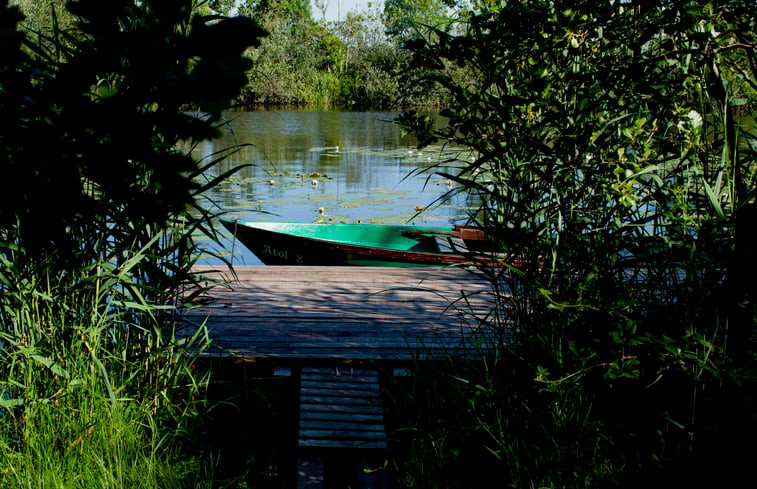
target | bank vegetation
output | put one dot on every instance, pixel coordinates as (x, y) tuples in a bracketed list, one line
[(612, 147)]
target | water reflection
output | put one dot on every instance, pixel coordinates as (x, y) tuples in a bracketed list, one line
[(329, 166)]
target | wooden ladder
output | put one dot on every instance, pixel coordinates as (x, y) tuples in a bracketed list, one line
[(340, 407)]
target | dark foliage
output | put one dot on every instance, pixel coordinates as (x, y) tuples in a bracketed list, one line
[(93, 118), (609, 147), (99, 220)]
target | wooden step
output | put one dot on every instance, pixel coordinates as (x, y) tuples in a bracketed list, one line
[(340, 408)]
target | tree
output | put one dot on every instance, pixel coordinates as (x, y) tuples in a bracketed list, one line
[(403, 17), (288, 59), (333, 51), (609, 148), (41, 16), (294, 9), (322, 6)]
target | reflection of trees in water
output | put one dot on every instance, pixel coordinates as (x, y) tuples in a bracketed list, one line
[(356, 162)]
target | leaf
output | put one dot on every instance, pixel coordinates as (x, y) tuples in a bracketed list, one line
[(674, 422), (714, 199), (695, 119), (50, 364), (10, 403)]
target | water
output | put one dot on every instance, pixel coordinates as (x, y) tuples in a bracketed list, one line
[(329, 167)]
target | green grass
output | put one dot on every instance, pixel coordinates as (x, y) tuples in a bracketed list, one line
[(86, 441), (95, 390)]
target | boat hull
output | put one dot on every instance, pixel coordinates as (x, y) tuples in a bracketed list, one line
[(281, 248)]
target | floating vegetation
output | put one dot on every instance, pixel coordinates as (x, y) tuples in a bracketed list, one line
[(435, 153), (324, 149), (381, 185)]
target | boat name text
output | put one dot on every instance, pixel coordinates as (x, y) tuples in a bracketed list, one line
[(282, 254)]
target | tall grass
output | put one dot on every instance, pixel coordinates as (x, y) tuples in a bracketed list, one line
[(96, 390), (99, 226), (86, 441)]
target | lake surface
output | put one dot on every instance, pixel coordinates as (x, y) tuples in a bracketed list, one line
[(329, 167)]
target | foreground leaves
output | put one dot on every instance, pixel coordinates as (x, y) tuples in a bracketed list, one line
[(614, 150)]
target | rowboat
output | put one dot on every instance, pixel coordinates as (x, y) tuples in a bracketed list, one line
[(294, 243)]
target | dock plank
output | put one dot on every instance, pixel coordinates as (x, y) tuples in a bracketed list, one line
[(325, 416), (343, 312), (338, 409), (316, 443), (343, 425)]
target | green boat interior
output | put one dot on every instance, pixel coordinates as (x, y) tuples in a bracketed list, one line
[(372, 235)]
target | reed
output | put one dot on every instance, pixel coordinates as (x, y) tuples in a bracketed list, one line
[(97, 388), (96, 391), (625, 185)]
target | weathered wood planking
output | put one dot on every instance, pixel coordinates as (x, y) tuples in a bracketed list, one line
[(340, 409), (344, 312)]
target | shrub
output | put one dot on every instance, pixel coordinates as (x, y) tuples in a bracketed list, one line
[(607, 147)]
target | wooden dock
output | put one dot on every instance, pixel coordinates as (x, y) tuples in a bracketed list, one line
[(344, 313), (334, 326)]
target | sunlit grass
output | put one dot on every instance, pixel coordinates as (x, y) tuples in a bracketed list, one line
[(95, 391), (84, 440)]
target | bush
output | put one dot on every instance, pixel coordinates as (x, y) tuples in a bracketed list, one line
[(607, 146)]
